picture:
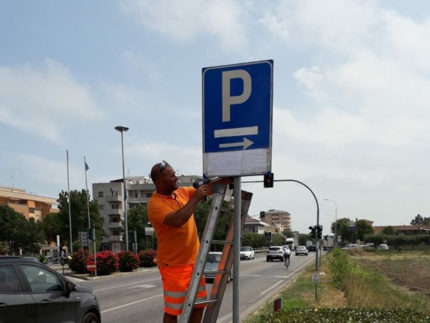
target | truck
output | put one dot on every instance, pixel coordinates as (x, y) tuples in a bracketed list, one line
[(328, 242), (292, 243)]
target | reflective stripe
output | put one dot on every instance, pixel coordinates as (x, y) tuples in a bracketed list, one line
[(174, 306), (175, 294), (202, 288)]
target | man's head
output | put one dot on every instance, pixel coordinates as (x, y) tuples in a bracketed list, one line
[(164, 178)]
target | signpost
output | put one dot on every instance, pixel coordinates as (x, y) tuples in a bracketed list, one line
[(237, 119), (237, 133)]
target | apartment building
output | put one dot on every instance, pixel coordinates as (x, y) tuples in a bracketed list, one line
[(29, 205), (110, 200), (277, 218)]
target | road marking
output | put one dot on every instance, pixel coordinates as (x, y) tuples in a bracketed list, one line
[(271, 287), (143, 286), (236, 132), (129, 304), (124, 285)]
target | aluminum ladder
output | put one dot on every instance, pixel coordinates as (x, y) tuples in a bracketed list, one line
[(218, 288)]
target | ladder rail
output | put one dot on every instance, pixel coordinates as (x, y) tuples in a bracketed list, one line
[(227, 258), (201, 257)]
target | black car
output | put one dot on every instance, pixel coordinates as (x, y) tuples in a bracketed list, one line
[(312, 247), (33, 292)]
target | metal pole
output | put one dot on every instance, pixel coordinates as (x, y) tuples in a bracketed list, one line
[(88, 193), (335, 224), (70, 209), (95, 253), (316, 201), (236, 250), (122, 129)]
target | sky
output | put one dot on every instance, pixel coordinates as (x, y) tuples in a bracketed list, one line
[(351, 93)]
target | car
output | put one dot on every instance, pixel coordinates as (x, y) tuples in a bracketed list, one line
[(350, 246), (246, 253), (383, 246), (211, 266), (275, 252), (301, 250), (32, 292), (312, 247)]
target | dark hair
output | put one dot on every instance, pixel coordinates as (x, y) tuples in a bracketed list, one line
[(157, 169)]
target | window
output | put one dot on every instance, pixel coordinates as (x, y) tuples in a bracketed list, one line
[(101, 207), (148, 194), (41, 280), (100, 194), (9, 282), (115, 206)]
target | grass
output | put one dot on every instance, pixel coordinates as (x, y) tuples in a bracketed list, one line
[(388, 281)]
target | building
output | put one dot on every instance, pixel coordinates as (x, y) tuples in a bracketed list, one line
[(110, 200), (252, 225), (29, 205), (277, 218)]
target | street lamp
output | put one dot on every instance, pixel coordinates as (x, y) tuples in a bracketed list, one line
[(122, 129), (335, 224)]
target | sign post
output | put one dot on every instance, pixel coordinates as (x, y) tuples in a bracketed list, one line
[(237, 133)]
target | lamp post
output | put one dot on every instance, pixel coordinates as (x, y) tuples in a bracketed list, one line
[(335, 224), (122, 129)]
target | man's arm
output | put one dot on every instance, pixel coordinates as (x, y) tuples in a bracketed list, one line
[(179, 217)]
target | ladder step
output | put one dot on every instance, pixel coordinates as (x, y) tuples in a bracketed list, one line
[(216, 272), (222, 242), (207, 301)]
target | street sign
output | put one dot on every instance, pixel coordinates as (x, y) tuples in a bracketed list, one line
[(315, 278), (83, 238), (237, 119), (91, 266)]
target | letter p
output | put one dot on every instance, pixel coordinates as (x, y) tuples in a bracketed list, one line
[(227, 99)]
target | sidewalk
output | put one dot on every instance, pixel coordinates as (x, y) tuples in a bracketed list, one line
[(86, 276)]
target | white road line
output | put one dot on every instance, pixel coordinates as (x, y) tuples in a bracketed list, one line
[(124, 285), (129, 304), (271, 287)]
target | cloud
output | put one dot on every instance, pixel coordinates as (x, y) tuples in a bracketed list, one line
[(36, 100), (188, 19)]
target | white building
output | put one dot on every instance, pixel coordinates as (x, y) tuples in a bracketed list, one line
[(110, 200)]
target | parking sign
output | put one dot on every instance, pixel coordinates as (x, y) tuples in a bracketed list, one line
[(237, 119)]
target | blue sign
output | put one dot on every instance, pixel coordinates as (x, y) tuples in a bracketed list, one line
[(237, 106), (237, 111)]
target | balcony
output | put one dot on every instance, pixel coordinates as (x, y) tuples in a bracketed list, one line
[(114, 198), (114, 225)]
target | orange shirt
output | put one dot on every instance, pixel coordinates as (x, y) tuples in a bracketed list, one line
[(176, 246)]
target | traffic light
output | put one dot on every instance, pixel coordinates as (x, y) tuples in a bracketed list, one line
[(313, 231), (268, 180), (319, 231), (90, 234)]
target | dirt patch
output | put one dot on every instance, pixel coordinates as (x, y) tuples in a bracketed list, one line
[(410, 270)]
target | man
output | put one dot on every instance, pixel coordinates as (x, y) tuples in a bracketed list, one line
[(170, 211)]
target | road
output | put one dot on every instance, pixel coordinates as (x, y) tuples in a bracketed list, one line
[(137, 296)]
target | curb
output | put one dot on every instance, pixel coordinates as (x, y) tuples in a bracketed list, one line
[(114, 274)]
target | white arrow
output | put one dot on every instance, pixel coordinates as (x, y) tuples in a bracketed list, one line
[(245, 144)]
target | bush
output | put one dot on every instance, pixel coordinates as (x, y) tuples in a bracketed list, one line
[(147, 258), (107, 262), (76, 264), (339, 267), (43, 259), (334, 315), (128, 261)]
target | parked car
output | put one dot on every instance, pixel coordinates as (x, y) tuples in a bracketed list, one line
[(211, 266), (383, 246), (275, 252), (33, 292), (350, 246), (301, 250), (246, 253)]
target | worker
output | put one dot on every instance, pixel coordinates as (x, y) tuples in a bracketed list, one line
[(171, 212)]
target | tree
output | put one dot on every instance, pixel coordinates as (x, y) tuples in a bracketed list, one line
[(344, 229), (138, 220), (78, 205), (288, 233), (19, 232), (363, 228), (418, 221), (389, 230)]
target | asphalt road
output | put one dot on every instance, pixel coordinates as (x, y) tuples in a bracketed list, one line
[(137, 296)]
